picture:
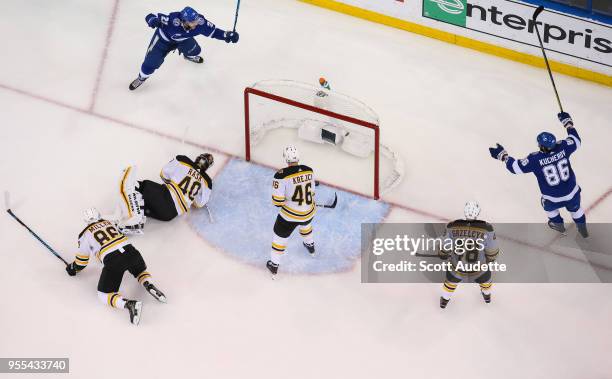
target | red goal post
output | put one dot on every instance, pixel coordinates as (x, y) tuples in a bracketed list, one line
[(250, 91)]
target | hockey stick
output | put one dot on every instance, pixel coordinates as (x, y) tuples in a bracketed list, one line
[(332, 205), (10, 212), (535, 16), (210, 216), (236, 18)]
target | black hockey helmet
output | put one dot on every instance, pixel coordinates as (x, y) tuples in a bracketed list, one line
[(204, 161)]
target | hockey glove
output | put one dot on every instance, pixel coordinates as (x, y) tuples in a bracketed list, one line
[(71, 269), (565, 119), (231, 37), (498, 152), (152, 21)]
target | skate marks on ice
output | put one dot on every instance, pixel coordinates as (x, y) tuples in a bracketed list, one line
[(241, 203)]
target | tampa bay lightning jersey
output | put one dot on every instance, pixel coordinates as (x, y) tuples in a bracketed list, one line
[(553, 169), (172, 30)]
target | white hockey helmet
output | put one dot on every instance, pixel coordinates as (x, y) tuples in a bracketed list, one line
[(91, 215), (471, 210), (291, 155)]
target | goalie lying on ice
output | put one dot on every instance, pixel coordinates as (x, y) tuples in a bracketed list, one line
[(186, 183)]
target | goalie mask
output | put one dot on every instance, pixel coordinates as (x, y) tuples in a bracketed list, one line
[(291, 155), (91, 215), (471, 210), (204, 161)]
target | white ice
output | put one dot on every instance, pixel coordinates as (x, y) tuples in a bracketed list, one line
[(441, 106)]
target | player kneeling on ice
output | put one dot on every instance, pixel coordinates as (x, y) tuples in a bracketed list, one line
[(111, 247), (293, 194), (186, 183), (552, 168), (177, 31), (474, 246)]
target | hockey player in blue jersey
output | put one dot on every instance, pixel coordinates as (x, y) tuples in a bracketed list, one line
[(552, 168), (177, 31)]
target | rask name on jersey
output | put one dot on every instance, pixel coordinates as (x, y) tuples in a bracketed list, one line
[(186, 184)]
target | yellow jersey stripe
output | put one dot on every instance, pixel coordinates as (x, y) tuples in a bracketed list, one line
[(297, 174), (178, 194), (161, 175), (299, 213), (297, 218), (105, 249), (181, 196)]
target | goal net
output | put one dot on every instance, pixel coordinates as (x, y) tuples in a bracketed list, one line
[(325, 118)]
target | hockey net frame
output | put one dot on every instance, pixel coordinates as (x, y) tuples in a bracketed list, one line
[(251, 91)]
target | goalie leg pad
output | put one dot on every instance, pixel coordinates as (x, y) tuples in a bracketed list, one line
[(131, 204)]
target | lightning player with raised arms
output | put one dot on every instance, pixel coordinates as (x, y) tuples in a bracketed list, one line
[(102, 239), (551, 166), (186, 183), (177, 31), (293, 193)]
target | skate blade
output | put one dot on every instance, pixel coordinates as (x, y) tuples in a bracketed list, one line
[(138, 315)]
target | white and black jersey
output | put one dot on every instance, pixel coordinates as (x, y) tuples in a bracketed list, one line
[(99, 239), (293, 192), (187, 185), (184, 186)]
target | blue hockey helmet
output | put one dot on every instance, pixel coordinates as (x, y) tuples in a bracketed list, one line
[(547, 140), (188, 14)]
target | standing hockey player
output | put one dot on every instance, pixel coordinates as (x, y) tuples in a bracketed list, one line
[(293, 193), (551, 166), (111, 247), (177, 31), (186, 183), (485, 251)]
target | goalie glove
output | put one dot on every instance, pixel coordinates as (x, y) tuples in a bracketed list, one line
[(566, 120), (498, 152)]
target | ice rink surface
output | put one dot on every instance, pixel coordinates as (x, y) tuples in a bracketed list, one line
[(70, 125)]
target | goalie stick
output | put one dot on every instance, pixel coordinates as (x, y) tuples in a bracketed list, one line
[(10, 212), (332, 204), (210, 216)]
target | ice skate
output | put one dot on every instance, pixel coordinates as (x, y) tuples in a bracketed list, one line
[(135, 309), (559, 227), (310, 247), (155, 292), (136, 83), (272, 267), (195, 59)]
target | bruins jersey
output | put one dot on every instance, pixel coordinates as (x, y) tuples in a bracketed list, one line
[(99, 238), (476, 230), (293, 193), (186, 184)]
